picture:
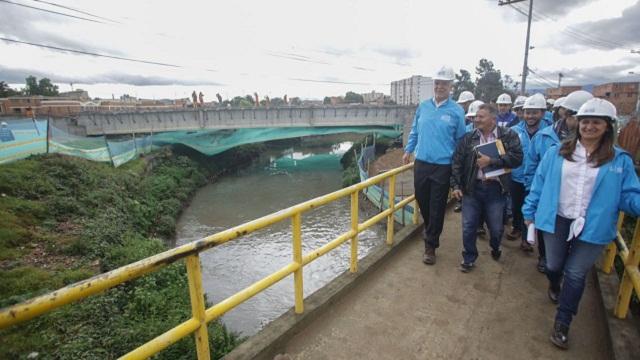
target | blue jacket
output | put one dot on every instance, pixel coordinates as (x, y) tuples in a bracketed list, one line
[(616, 189), (548, 118), (517, 174), (435, 131), (505, 119), (469, 128), (540, 143)]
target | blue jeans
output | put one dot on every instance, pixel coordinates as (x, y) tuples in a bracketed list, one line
[(570, 260), (487, 201)]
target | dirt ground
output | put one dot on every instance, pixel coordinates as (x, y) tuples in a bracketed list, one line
[(393, 159)]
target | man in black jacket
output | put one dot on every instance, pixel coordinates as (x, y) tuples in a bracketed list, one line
[(480, 194)]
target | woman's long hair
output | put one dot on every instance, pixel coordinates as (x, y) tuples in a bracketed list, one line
[(603, 153)]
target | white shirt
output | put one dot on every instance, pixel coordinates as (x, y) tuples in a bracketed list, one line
[(491, 137), (576, 188)]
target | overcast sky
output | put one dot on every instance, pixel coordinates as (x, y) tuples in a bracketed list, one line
[(309, 48)]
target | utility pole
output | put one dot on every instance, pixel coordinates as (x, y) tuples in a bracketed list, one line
[(560, 79), (525, 67)]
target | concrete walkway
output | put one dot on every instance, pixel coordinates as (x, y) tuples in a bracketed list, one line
[(407, 310)]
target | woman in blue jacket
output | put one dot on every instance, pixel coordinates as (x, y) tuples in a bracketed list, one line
[(576, 194)]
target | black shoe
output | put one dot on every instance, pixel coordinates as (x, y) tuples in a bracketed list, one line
[(553, 292), (458, 207), (495, 254), (466, 267), (542, 264), (429, 257), (560, 336)]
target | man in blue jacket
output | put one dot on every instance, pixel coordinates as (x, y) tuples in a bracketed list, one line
[(534, 108), (437, 126)]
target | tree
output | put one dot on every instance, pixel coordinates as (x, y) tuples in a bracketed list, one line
[(276, 101), (352, 98), (463, 83), (511, 86), (43, 87), (327, 100), (31, 86), (295, 101), (489, 81), (250, 99), (6, 91), (46, 88)]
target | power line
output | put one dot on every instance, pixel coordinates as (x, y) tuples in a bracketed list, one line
[(51, 11), (76, 10), (89, 53), (575, 33)]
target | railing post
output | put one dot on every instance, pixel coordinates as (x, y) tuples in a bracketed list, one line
[(354, 227), (626, 285), (609, 255), (198, 306), (296, 223), (392, 206)]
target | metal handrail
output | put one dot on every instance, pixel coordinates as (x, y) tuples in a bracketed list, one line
[(197, 324), (630, 257)]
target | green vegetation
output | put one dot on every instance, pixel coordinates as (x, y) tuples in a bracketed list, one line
[(350, 173), (63, 219)]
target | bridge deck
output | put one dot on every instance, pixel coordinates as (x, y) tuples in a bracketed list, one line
[(407, 310)]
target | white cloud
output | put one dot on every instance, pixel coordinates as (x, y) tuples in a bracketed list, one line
[(261, 46)]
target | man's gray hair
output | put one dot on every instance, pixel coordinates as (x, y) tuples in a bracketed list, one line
[(491, 109)]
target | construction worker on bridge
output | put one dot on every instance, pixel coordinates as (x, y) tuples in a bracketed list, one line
[(437, 126), (576, 195), (534, 108), (547, 137), (517, 109), (483, 197), (505, 115), (464, 99)]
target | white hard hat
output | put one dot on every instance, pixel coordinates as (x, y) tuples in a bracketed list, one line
[(445, 73), (473, 108), (535, 101), (504, 99), (551, 101), (519, 101), (4, 123), (598, 108), (574, 100), (465, 96), (558, 102)]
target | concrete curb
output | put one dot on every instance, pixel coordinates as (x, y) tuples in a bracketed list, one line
[(623, 333), (269, 341)]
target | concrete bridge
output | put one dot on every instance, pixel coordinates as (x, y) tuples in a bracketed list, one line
[(236, 118)]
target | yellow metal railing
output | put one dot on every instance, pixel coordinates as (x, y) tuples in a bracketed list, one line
[(197, 324), (631, 259)]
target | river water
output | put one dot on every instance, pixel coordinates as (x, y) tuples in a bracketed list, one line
[(282, 179)]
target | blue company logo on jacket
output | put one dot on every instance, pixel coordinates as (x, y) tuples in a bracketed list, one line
[(435, 131), (540, 143), (505, 119), (616, 189), (517, 174)]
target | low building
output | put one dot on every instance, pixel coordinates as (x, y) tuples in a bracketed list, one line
[(412, 91), (624, 95), (556, 93), (373, 97)]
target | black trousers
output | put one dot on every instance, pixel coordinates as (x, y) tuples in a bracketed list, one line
[(431, 184), (518, 194)]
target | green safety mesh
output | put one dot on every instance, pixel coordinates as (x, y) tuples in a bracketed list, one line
[(20, 138)]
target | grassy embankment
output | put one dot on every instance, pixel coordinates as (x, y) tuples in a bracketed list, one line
[(64, 219)]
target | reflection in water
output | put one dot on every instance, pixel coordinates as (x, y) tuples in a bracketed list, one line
[(290, 178)]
